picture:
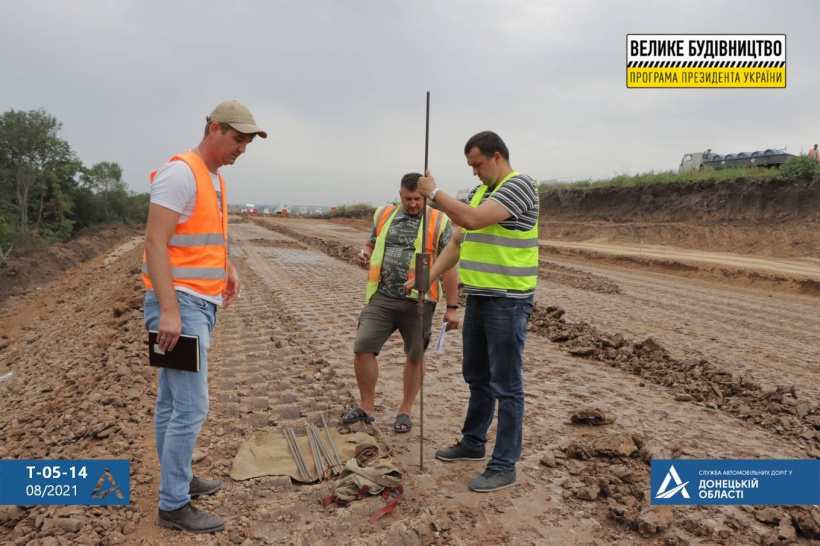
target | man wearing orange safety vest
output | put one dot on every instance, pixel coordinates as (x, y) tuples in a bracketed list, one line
[(815, 153), (187, 276), (389, 258)]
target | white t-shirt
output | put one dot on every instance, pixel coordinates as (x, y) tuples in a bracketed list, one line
[(174, 187)]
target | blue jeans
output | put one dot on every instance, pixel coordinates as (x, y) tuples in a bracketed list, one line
[(182, 400), (494, 333)]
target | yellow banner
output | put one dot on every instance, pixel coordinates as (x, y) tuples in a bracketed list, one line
[(705, 77)]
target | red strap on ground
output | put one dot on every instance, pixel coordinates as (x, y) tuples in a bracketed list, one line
[(363, 491), (390, 505), (329, 500)]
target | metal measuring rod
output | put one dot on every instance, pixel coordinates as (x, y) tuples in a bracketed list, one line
[(422, 284)]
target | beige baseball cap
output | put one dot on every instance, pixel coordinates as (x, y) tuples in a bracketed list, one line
[(237, 116)]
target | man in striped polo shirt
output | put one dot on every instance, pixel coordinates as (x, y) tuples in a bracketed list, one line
[(496, 249)]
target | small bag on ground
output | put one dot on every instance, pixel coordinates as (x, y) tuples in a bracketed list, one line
[(357, 481)]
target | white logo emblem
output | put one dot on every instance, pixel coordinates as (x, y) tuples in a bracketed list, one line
[(680, 486)]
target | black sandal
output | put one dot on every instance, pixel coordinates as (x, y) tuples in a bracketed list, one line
[(403, 423), (355, 415)]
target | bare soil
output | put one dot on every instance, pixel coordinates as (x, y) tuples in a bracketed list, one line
[(628, 358), (43, 263)]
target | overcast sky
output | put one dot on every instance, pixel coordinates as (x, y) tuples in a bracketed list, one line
[(340, 86)]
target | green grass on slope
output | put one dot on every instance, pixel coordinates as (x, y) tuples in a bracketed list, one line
[(796, 168)]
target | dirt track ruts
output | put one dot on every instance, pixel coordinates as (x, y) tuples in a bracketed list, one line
[(709, 442), (283, 354)]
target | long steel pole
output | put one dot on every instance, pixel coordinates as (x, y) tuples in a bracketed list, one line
[(423, 278)]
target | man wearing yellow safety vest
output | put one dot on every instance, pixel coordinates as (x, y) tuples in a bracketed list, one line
[(389, 258), (496, 249), (187, 275)]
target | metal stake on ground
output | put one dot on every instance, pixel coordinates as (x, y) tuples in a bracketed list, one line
[(324, 453), (314, 450), (332, 443), (297, 455)]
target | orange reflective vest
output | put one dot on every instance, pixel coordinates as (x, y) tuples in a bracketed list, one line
[(198, 248), (436, 223), (815, 153)]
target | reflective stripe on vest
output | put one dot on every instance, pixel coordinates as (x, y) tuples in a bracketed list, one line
[(203, 239), (192, 272), (496, 257), (198, 249), (382, 218), (479, 237)]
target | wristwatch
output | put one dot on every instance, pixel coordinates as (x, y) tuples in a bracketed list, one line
[(432, 195), (452, 307)]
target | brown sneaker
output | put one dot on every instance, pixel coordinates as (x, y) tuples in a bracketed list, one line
[(203, 487), (191, 519)]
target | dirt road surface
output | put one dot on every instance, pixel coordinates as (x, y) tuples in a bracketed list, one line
[(808, 267), (686, 365)]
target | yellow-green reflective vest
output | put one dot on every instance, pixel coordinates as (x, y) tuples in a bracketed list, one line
[(496, 257), (382, 218)]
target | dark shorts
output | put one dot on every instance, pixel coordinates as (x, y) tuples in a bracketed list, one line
[(383, 315)]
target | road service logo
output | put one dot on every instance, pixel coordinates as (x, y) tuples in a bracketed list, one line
[(111, 487), (672, 475), (705, 60)]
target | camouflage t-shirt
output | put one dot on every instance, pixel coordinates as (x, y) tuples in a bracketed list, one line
[(399, 249)]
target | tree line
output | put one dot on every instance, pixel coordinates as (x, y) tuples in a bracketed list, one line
[(47, 194)]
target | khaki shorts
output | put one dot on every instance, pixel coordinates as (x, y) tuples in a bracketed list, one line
[(383, 315)]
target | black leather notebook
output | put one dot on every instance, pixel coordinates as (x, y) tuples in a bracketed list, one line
[(185, 355)]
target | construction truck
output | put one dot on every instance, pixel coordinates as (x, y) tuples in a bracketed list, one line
[(763, 158)]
